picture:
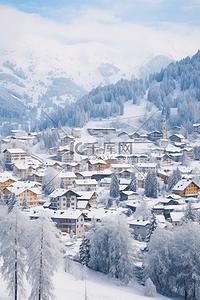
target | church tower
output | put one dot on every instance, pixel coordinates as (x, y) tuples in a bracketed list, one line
[(163, 126)]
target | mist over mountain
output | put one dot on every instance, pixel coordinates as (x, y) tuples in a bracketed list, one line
[(45, 65)]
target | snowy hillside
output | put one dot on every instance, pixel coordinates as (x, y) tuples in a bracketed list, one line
[(71, 286), (35, 51)]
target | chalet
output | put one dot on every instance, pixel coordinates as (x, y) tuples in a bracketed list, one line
[(134, 135), (188, 152), (72, 166), (186, 188), (67, 139), (155, 135), (145, 167), (163, 175), (67, 178), (38, 176), (96, 165), (84, 175), (89, 196), (117, 168), (63, 199), (22, 170), (175, 218), (175, 130), (196, 128), (6, 179), (69, 220), (134, 158), (101, 131), (110, 161), (76, 132), (177, 138), (128, 195), (83, 205), (89, 184), (163, 143), (140, 228), (31, 194), (125, 174), (98, 175), (105, 182), (13, 155), (121, 159)]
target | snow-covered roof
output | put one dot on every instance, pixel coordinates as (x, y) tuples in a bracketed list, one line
[(128, 193), (15, 151), (106, 180), (183, 184), (86, 182), (85, 173), (57, 193), (82, 204), (146, 165), (138, 223), (85, 194), (18, 190), (97, 161), (4, 176), (176, 216), (67, 175), (115, 166)]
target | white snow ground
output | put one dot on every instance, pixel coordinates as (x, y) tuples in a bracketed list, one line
[(99, 287)]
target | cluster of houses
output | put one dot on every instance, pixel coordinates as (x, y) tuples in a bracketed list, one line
[(84, 167)]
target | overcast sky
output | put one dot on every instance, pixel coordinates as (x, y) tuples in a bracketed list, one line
[(183, 11), (129, 24)]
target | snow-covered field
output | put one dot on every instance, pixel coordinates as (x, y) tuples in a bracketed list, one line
[(98, 286)]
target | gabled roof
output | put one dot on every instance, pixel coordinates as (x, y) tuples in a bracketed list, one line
[(60, 192), (15, 151), (183, 184)]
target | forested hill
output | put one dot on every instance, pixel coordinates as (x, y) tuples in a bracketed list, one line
[(175, 90), (101, 102)]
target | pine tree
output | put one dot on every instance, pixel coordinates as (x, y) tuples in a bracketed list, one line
[(24, 203), (114, 186), (190, 214), (12, 251), (152, 227), (44, 253), (151, 185), (11, 201), (84, 251), (143, 211), (2, 198), (133, 183)]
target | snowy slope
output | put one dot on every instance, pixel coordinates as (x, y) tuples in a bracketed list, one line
[(99, 287)]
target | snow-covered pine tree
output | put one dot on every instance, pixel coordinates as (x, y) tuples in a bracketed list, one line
[(120, 245), (2, 198), (143, 211), (186, 266), (44, 253), (110, 248), (174, 178), (151, 185), (133, 183), (24, 203), (152, 227), (84, 251), (157, 261), (190, 214), (51, 181), (114, 186), (62, 185), (11, 201), (13, 252)]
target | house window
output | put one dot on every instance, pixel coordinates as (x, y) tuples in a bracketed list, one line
[(77, 226)]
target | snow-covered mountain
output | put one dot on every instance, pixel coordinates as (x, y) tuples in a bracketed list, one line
[(42, 64)]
